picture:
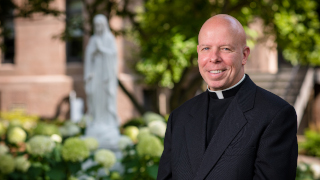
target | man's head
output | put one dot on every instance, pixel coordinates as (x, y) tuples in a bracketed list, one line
[(222, 51)]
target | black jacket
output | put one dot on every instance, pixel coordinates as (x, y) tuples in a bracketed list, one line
[(256, 139)]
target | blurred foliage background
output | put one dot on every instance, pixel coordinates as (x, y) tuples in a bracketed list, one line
[(166, 31)]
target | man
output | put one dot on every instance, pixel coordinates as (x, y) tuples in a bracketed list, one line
[(235, 130)]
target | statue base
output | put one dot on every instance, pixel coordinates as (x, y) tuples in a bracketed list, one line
[(107, 136)]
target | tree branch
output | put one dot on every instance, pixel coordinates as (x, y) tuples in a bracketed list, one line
[(140, 109)]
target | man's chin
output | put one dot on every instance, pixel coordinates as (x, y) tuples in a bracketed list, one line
[(216, 88), (215, 85)]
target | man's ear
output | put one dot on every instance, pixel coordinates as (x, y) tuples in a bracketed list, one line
[(197, 48), (246, 53)]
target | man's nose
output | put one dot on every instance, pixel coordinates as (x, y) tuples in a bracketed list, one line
[(214, 56)]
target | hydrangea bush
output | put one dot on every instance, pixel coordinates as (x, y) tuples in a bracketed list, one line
[(309, 146), (56, 151), (142, 154), (53, 150)]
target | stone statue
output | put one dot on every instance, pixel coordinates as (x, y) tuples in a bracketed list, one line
[(100, 76), (76, 107)]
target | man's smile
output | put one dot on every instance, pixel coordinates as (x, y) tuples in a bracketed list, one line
[(216, 71)]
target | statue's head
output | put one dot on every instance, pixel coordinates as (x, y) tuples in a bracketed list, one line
[(100, 24)]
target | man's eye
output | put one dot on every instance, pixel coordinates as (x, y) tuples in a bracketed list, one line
[(226, 49), (206, 48)]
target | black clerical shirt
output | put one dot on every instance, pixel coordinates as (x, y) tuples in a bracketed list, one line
[(217, 108)]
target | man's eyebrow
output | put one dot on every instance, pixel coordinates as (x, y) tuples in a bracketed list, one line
[(229, 45), (201, 45)]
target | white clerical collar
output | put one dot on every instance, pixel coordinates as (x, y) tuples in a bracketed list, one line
[(220, 94)]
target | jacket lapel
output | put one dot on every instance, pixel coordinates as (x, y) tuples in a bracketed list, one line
[(231, 124), (195, 131), (229, 127)]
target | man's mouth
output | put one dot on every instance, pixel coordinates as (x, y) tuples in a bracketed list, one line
[(216, 71)]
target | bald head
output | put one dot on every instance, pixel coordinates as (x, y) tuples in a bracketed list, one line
[(229, 23), (222, 52)]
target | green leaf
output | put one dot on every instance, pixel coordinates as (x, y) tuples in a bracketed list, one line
[(17, 175), (153, 171), (74, 167), (57, 173), (133, 163), (93, 168), (128, 176), (34, 172)]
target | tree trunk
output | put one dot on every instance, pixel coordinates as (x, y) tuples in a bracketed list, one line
[(136, 104), (184, 90)]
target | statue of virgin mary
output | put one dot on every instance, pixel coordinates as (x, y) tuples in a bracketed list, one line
[(100, 76)]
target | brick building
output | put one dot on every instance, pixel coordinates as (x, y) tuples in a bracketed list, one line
[(37, 72)]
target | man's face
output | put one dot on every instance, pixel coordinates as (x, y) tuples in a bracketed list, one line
[(221, 56)]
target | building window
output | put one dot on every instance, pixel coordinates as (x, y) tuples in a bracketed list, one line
[(8, 50), (74, 33)]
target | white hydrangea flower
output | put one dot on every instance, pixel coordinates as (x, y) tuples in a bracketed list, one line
[(75, 149), (29, 125), (56, 138), (16, 135), (132, 132), (316, 170), (132, 152), (151, 116), (302, 166), (3, 149), (14, 123), (158, 128), (22, 163), (90, 178), (91, 143), (6, 163), (124, 142), (143, 132), (150, 145), (69, 129), (105, 157), (40, 145)]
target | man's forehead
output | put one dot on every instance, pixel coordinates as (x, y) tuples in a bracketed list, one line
[(224, 25), (223, 19), (220, 24), (218, 33)]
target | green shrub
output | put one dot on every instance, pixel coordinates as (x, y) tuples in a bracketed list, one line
[(311, 146)]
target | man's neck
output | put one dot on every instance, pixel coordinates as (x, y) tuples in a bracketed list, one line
[(219, 93)]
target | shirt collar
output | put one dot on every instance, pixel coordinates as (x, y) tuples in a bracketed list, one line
[(229, 92)]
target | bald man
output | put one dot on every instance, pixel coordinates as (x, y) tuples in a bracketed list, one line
[(235, 130)]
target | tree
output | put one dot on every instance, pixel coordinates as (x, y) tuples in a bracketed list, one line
[(168, 29), (166, 32)]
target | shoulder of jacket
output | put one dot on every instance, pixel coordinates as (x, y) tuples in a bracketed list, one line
[(270, 99), (189, 103)]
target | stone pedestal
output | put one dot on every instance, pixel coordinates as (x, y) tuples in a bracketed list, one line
[(107, 136)]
